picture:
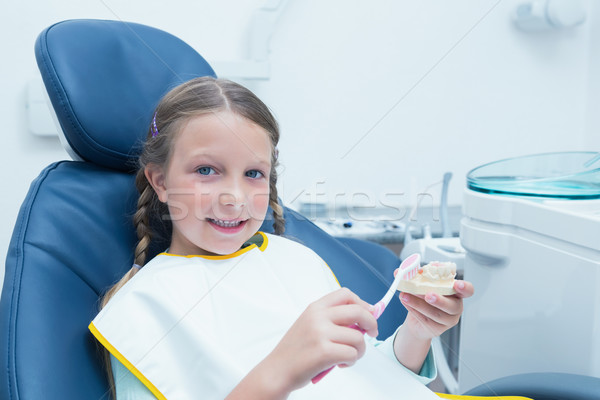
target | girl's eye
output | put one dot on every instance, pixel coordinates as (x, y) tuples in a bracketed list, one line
[(254, 174), (205, 171)]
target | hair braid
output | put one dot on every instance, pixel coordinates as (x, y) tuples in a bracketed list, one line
[(142, 224), (279, 221), (141, 218)]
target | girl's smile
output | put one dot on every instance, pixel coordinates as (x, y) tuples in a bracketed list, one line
[(227, 226)]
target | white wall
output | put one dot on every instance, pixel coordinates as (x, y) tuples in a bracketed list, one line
[(417, 94), (373, 97), (592, 131)]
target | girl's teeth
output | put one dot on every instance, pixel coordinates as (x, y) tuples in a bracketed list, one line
[(226, 224)]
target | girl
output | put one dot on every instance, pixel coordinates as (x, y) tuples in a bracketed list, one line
[(226, 311)]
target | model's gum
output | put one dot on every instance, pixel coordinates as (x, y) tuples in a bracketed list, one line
[(435, 277)]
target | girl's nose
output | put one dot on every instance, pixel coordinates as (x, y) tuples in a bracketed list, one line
[(231, 199), (233, 195)]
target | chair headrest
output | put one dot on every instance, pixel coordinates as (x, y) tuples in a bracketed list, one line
[(104, 79)]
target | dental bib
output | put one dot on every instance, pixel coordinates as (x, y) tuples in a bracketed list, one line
[(192, 327)]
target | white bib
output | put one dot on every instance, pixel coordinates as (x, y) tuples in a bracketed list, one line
[(193, 327)]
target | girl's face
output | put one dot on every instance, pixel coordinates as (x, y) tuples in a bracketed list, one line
[(216, 184)]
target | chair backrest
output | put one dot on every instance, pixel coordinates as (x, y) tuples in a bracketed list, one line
[(74, 236)]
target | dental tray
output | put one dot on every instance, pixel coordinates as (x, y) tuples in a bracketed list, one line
[(564, 175)]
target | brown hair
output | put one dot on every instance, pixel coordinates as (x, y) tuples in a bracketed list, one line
[(193, 98)]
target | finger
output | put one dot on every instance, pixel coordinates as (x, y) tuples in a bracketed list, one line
[(343, 296), (463, 289), (347, 336), (347, 356), (433, 327), (355, 349), (412, 299), (453, 304), (345, 346), (433, 313), (351, 314), (450, 305)]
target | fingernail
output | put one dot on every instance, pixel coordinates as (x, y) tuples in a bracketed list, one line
[(404, 297), (430, 298), (460, 284)]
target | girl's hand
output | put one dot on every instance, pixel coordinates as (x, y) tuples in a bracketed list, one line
[(321, 338), (431, 315), (428, 316)]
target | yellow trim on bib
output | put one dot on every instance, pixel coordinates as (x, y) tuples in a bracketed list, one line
[(461, 397), (262, 247), (125, 362), (334, 277)]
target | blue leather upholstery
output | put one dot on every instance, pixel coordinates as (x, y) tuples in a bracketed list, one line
[(68, 245), (74, 236), (374, 254), (542, 386), (108, 76)]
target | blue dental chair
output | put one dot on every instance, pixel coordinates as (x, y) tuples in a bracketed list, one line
[(74, 236)]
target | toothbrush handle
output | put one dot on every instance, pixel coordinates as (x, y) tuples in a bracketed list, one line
[(322, 374), (378, 309)]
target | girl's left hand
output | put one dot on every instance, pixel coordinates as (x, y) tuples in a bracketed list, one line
[(430, 315)]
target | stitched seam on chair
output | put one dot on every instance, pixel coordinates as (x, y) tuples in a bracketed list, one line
[(19, 262), (53, 80)]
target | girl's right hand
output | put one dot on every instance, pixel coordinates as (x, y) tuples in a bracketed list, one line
[(321, 337)]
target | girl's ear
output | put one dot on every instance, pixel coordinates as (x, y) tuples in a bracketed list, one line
[(156, 178)]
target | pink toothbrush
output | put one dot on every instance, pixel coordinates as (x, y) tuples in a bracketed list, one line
[(408, 270)]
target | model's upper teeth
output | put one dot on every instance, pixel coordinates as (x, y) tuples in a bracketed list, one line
[(225, 224), (437, 270)]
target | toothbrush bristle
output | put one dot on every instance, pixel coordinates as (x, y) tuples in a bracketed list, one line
[(411, 266)]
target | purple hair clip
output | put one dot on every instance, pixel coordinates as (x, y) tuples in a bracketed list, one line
[(154, 127)]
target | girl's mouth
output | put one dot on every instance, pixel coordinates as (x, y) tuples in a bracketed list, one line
[(227, 226)]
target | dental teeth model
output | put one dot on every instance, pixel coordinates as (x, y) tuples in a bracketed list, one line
[(436, 277)]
